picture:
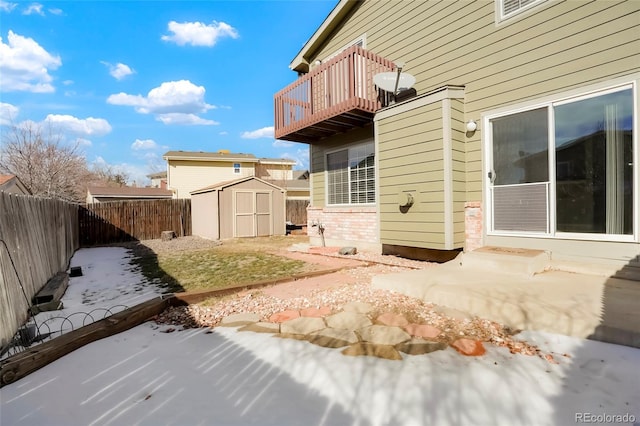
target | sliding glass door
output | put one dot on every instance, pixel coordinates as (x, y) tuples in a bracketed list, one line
[(565, 167)]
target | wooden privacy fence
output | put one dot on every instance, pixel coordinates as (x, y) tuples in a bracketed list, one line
[(297, 211), (104, 223), (39, 235)]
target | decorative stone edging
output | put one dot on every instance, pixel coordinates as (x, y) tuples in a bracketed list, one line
[(354, 329)]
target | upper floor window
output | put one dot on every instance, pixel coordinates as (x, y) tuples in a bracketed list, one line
[(351, 175), (236, 168), (509, 8)]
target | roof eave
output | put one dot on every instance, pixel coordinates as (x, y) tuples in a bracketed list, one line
[(301, 62)]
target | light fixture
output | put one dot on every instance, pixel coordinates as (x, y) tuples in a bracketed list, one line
[(472, 126), (317, 62)]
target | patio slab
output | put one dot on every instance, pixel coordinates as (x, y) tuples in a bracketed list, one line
[(580, 305)]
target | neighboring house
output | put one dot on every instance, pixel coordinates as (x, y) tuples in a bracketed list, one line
[(125, 193), (189, 171), (505, 91), (158, 180), (12, 185)]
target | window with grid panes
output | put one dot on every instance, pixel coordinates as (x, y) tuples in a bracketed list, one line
[(351, 175)]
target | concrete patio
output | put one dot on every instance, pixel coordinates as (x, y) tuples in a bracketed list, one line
[(524, 290)]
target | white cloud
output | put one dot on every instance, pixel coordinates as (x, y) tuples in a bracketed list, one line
[(185, 119), (85, 127), (8, 113), (119, 70), (6, 6), (144, 144), (265, 132), (223, 133), (282, 144), (56, 11), (173, 102), (67, 82), (33, 8), (301, 157), (25, 65), (83, 142), (199, 34)]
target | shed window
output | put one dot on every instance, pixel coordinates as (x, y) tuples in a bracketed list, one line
[(236, 168), (351, 175), (510, 8)]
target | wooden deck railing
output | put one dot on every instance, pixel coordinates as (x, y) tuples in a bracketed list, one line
[(342, 84)]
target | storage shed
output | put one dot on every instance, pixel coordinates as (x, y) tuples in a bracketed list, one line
[(246, 207)]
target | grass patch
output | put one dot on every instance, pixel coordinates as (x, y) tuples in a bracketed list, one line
[(214, 268), (210, 269)]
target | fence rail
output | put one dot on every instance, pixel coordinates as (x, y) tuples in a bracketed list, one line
[(104, 223), (38, 236)]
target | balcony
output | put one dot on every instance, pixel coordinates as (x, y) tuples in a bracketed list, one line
[(333, 98)]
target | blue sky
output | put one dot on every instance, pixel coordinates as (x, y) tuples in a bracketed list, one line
[(130, 80)]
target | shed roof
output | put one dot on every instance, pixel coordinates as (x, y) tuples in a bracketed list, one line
[(221, 185)]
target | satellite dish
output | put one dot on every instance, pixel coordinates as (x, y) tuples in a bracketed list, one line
[(388, 81)]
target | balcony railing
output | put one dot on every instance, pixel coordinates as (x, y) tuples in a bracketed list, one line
[(335, 97)]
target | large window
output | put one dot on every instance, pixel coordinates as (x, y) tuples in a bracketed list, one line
[(351, 175), (572, 161)]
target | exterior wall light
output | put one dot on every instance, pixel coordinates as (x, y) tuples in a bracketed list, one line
[(472, 126)]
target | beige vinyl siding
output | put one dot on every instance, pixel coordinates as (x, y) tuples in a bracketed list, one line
[(458, 156), (410, 158), (553, 48), (186, 176)]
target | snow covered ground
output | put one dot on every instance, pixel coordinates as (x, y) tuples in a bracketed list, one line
[(110, 283), (225, 377)]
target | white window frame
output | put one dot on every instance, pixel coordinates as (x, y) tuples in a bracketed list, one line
[(326, 176), (362, 39), (549, 103)]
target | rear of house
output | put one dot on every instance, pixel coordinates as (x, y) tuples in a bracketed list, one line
[(522, 131)]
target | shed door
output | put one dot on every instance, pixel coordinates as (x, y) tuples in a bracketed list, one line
[(253, 215), (244, 225), (263, 214)]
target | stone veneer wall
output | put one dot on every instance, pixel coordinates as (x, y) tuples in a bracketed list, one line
[(473, 225), (357, 224)]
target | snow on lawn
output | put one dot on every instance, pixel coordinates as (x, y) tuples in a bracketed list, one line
[(197, 377), (109, 284)]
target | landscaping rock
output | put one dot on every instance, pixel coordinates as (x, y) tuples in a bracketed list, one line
[(348, 251), (284, 316), (320, 312), (469, 347), (453, 313), (348, 321), (359, 307), (261, 327), (383, 335), (237, 320), (302, 325), (423, 330), (417, 346), (333, 338), (370, 349), (391, 319)]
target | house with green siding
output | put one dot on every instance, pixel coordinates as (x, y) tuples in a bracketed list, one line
[(520, 131)]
